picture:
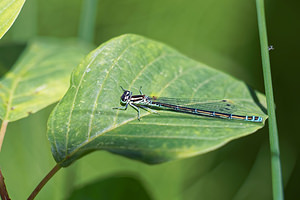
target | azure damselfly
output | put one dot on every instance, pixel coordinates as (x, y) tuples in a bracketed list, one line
[(217, 109)]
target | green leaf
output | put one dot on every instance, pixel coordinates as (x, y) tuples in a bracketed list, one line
[(9, 10), (40, 77), (114, 188), (84, 120)]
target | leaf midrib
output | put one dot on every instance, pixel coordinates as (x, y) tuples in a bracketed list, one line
[(10, 97), (170, 137)]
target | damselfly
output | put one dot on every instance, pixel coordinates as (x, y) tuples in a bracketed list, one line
[(217, 109)]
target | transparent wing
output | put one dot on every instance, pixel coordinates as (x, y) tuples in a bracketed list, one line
[(224, 106)]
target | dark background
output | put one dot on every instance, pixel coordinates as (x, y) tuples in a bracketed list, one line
[(222, 34)]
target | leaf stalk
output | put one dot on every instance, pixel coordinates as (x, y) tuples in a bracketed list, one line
[(3, 191), (2, 132), (44, 181)]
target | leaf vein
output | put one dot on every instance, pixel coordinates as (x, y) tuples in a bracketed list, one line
[(176, 77), (169, 137), (204, 83)]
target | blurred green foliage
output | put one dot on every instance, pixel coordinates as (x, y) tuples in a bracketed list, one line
[(114, 187), (222, 34), (40, 77)]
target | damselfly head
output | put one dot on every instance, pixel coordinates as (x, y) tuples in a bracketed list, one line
[(126, 96)]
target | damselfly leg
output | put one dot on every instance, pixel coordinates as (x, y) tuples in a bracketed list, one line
[(141, 91)]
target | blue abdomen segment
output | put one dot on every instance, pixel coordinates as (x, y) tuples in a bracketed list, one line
[(253, 118)]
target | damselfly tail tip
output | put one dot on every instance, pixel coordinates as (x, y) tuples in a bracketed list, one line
[(253, 118), (256, 119)]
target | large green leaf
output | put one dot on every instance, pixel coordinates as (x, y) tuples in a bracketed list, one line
[(40, 77), (9, 10), (84, 120)]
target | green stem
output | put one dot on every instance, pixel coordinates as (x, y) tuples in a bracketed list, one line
[(273, 133), (87, 20), (44, 181)]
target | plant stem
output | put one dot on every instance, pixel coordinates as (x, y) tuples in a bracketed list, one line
[(44, 181), (87, 20), (2, 132), (273, 133), (3, 191)]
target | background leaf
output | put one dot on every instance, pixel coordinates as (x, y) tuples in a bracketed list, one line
[(39, 78), (112, 188), (132, 61), (9, 10)]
